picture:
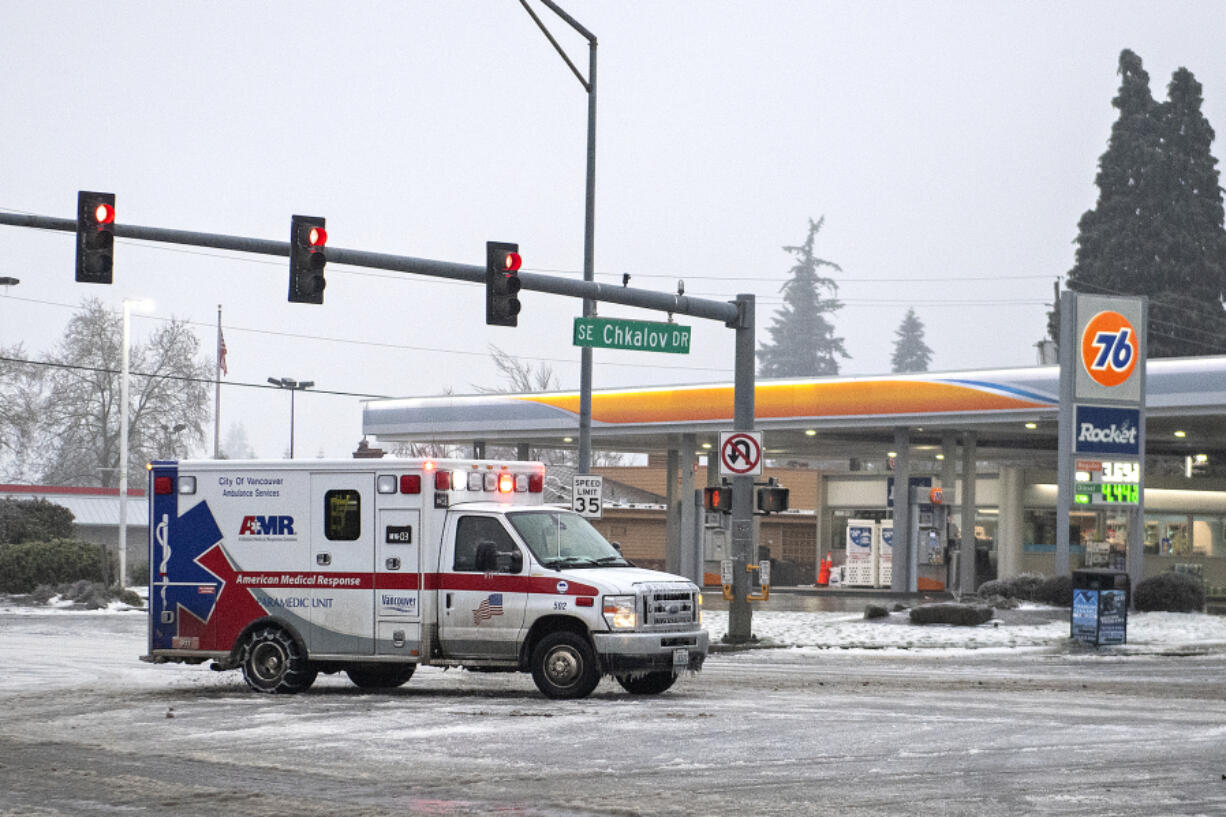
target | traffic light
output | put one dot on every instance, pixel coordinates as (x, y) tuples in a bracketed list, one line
[(502, 283), (307, 259), (772, 499), (717, 498), (95, 237)]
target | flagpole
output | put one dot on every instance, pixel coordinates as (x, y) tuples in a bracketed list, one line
[(217, 393)]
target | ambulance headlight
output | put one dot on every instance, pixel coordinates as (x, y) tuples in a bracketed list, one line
[(619, 612)]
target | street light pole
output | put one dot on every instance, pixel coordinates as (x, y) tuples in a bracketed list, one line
[(293, 386), (143, 306), (589, 220)]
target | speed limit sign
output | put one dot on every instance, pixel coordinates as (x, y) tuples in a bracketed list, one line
[(586, 494)]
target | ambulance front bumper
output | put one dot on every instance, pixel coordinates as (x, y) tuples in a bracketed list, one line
[(646, 652)]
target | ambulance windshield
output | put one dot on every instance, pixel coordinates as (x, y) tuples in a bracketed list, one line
[(563, 539)]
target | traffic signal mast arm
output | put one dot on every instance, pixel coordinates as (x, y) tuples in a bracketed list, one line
[(725, 311)]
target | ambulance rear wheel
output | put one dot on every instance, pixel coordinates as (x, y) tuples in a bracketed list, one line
[(564, 666), (380, 676), (653, 683), (275, 663)]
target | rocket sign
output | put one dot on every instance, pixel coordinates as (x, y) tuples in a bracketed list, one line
[(740, 453)]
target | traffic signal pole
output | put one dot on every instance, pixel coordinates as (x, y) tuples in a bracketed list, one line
[(737, 315)]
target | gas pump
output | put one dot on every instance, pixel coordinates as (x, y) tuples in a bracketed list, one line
[(929, 519)]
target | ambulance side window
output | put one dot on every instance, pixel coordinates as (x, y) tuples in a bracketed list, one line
[(470, 532), (342, 515)]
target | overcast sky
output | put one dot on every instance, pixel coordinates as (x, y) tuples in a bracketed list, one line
[(951, 147)]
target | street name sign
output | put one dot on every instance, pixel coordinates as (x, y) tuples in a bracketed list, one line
[(640, 336)]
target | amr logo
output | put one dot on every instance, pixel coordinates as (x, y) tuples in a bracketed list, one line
[(267, 526)]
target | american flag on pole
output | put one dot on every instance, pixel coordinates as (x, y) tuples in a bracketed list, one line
[(488, 608), (221, 352)]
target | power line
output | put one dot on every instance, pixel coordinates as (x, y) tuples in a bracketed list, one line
[(54, 364)]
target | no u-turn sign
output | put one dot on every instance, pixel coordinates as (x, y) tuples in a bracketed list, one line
[(740, 453)]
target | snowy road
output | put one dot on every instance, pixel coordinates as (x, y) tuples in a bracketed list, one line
[(86, 729)]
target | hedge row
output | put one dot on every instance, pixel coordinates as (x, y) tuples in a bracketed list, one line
[(1054, 590), (26, 565), (1168, 592)]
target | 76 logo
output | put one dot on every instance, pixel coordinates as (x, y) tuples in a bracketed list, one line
[(1109, 348)]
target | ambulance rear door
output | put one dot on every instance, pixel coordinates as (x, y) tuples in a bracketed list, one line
[(342, 523)]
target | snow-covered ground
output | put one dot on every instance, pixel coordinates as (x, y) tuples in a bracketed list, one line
[(1029, 626)]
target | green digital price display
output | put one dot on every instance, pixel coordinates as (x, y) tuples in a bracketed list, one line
[(1107, 482), (1107, 493)]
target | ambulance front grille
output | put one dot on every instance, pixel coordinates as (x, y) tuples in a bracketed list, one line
[(670, 606)]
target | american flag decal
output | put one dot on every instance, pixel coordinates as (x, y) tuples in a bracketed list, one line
[(488, 608)]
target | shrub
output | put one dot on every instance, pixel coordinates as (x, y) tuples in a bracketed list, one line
[(27, 520), (965, 615), (93, 595), (875, 611), (25, 566), (995, 587), (1169, 592), (1056, 591), (1024, 586)]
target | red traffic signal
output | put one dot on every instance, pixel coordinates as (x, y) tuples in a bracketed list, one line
[(307, 259), (95, 237), (502, 262), (316, 237), (104, 213)]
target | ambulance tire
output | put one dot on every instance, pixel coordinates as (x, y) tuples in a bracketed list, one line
[(275, 663), (564, 666), (380, 676), (653, 683)]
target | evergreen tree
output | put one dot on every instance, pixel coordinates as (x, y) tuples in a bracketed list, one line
[(1185, 313), (1157, 229), (802, 339), (911, 354)]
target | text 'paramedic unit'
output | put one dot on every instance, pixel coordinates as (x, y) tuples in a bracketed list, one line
[(286, 569)]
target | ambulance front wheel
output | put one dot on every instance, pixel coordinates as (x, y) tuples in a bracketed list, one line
[(275, 663), (564, 666)]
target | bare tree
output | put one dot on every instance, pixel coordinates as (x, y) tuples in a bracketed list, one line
[(521, 378), (524, 379), (20, 385), (81, 408)]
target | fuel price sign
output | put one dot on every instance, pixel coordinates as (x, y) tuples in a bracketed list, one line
[(1107, 482)]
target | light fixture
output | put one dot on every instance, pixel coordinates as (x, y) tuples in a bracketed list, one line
[(568, 439), (706, 446), (940, 456), (1032, 426), (1181, 434), (810, 432), (891, 454)]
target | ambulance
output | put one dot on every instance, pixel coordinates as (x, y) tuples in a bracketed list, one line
[(286, 569)]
